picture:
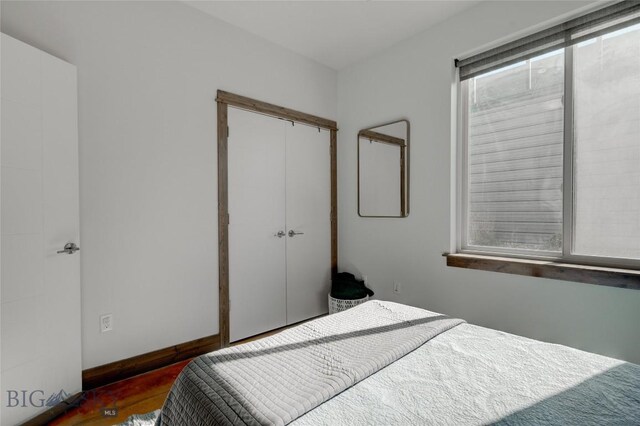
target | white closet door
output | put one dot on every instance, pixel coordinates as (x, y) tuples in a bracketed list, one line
[(41, 352), (257, 281), (309, 213)]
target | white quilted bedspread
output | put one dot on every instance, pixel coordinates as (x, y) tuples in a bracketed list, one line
[(273, 381), (472, 375)]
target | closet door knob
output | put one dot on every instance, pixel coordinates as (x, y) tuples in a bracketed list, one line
[(69, 248), (293, 233), (280, 234)]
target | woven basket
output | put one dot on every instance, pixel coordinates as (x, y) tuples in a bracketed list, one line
[(339, 305)]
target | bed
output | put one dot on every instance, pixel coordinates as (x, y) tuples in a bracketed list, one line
[(383, 363)]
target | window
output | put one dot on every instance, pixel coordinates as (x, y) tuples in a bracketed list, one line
[(514, 167), (606, 145), (550, 136)]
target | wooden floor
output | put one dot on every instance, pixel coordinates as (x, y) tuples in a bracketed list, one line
[(137, 395)]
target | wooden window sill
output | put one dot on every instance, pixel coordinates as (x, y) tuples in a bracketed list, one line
[(612, 277)]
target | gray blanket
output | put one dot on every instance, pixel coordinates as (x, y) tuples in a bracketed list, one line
[(277, 379)]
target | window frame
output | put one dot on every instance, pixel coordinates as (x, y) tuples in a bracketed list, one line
[(566, 255)]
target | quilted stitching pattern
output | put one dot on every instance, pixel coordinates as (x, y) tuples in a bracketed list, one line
[(277, 379)]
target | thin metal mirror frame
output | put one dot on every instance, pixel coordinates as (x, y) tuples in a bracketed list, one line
[(404, 179)]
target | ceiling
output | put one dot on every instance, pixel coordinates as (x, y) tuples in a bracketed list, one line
[(334, 33)]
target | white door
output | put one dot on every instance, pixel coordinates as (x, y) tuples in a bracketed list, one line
[(41, 351), (309, 216), (257, 281)]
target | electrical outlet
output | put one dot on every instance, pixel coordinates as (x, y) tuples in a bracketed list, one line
[(396, 287), (106, 323)]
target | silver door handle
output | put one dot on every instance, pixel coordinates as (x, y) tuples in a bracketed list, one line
[(69, 248), (280, 234), (293, 233)]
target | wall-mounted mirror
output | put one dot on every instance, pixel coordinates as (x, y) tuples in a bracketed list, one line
[(383, 170)]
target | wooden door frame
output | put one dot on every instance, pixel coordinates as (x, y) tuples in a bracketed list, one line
[(224, 100)]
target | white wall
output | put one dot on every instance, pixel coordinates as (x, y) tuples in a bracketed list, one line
[(414, 79), (148, 74)]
